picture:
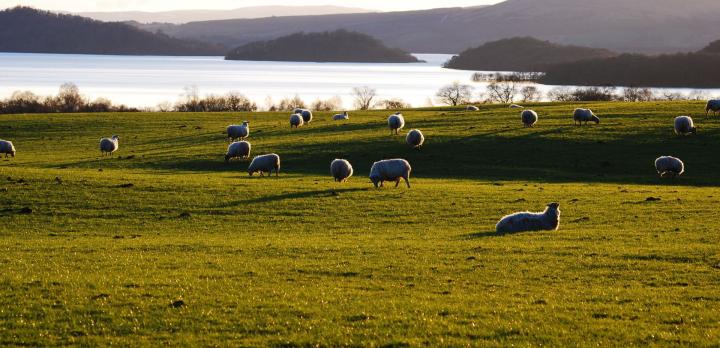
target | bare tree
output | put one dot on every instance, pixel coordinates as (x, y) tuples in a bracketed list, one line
[(530, 94), (455, 94), (394, 104), (635, 94), (69, 98), (502, 92), (334, 103), (363, 97)]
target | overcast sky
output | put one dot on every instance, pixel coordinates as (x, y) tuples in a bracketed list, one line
[(165, 5)]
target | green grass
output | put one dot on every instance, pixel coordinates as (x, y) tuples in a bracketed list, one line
[(285, 262)]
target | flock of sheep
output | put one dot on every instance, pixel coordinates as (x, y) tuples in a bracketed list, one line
[(395, 170)]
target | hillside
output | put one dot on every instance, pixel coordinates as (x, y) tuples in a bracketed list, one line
[(648, 26), (165, 244), (185, 16), (28, 30), (336, 46), (711, 48), (522, 54)]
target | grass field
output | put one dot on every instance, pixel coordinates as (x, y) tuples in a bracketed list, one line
[(166, 244)]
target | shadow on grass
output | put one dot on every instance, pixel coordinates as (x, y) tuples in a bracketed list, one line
[(296, 195)]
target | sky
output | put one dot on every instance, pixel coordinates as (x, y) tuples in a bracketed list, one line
[(166, 5)]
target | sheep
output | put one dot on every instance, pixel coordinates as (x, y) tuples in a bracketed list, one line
[(390, 170), (669, 167), (307, 116), (515, 106), (714, 105), (236, 132), (548, 220), (240, 149), (109, 145), (684, 125), (396, 122), (7, 148), (341, 170), (265, 163), (298, 111), (341, 117), (296, 121), (472, 108), (415, 138), (584, 115), (529, 118)]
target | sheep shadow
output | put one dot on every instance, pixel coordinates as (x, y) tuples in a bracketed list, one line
[(480, 235), (296, 195)]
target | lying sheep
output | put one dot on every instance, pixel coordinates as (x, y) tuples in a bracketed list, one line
[(714, 105), (296, 121), (515, 106), (307, 116), (684, 125), (240, 149), (235, 132), (584, 115), (669, 167), (390, 170), (341, 117), (265, 163), (341, 170), (7, 148), (472, 108), (529, 118), (548, 220), (415, 138), (396, 122), (109, 145)]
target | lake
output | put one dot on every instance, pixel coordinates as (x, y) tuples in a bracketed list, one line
[(146, 81)]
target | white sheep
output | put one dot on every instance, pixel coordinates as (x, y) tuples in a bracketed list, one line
[(265, 163), (396, 122), (341, 170), (238, 132), (415, 138), (390, 170), (109, 145), (548, 220), (7, 148), (529, 118), (307, 116), (714, 105), (240, 149), (515, 106), (296, 121), (669, 167), (584, 115), (472, 108), (684, 125), (341, 117)]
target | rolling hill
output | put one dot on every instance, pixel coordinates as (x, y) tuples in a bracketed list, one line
[(648, 26), (24, 29)]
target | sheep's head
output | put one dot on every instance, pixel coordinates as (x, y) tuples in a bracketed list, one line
[(375, 180), (595, 119), (227, 158), (116, 137), (12, 153), (693, 130)]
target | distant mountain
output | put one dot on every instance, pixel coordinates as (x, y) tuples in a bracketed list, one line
[(25, 29), (712, 48), (185, 16), (522, 54), (650, 26), (336, 46)]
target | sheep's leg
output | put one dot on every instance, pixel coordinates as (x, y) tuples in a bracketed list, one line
[(407, 181), (397, 182)]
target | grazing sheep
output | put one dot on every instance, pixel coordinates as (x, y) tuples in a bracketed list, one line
[(396, 122), (584, 115), (714, 105), (472, 108), (415, 138), (529, 118), (515, 106), (298, 111), (341, 170), (341, 117), (265, 163), (669, 167), (307, 116), (548, 220), (109, 145), (684, 125), (296, 121), (240, 149), (236, 132), (390, 170), (7, 148)]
